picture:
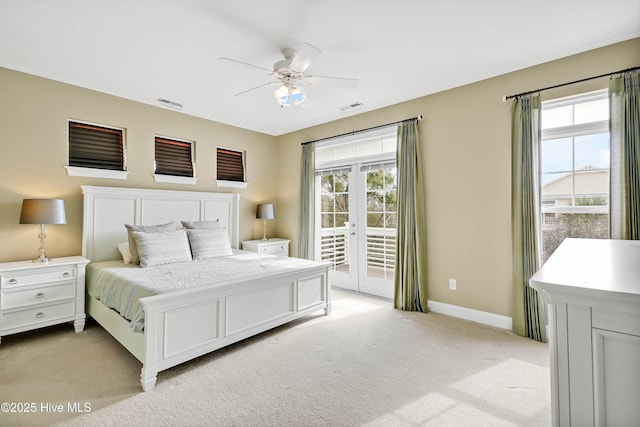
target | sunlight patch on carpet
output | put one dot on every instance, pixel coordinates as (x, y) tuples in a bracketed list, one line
[(435, 409), (342, 308), (510, 384), (355, 306)]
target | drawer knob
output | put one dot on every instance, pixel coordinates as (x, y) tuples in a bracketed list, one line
[(40, 295), (13, 281), (66, 274), (39, 315)]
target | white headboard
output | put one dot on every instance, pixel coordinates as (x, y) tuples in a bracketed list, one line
[(107, 209)]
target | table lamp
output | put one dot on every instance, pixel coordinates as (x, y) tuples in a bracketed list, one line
[(265, 211), (42, 211)]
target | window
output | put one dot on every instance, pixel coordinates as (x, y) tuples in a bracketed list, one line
[(173, 158), (230, 168), (334, 216), (96, 150), (381, 215), (574, 159)]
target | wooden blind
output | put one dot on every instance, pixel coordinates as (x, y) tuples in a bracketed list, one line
[(174, 157), (230, 165), (98, 147)]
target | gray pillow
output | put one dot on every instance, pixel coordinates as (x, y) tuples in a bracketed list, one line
[(166, 247), (209, 243), (135, 259)]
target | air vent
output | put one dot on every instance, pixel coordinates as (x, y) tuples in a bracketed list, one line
[(350, 107), (170, 104)]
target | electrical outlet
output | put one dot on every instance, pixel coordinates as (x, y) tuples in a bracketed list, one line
[(453, 284)]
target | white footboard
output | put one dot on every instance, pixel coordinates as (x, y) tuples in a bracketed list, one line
[(206, 319)]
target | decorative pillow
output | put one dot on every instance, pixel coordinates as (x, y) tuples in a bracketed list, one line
[(125, 252), (162, 248), (135, 259), (209, 243), (209, 225)]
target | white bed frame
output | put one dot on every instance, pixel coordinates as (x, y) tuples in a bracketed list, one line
[(187, 324)]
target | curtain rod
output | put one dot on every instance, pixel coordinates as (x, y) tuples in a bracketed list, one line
[(504, 98), (354, 132)]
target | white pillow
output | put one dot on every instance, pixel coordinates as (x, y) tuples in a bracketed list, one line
[(210, 225), (162, 248), (135, 259), (125, 252), (207, 243)]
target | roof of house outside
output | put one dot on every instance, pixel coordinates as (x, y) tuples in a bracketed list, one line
[(588, 181)]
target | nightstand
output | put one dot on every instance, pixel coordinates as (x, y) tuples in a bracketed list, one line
[(35, 295), (278, 247)]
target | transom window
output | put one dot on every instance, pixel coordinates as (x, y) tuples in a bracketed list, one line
[(173, 157), (230, 165), (376, 143), (95, 146), (230, 168)]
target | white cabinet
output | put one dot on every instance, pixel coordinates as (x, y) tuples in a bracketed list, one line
[(593, 291), (34, 295), (278, 247)]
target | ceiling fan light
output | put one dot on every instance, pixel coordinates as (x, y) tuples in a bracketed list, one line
[(287, 95)]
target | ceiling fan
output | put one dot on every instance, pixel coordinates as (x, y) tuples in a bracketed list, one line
[(289, 74)]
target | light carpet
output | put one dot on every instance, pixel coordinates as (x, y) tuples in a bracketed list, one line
[(365, 364)]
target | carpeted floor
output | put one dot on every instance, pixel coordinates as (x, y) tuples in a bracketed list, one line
[(365, 364)]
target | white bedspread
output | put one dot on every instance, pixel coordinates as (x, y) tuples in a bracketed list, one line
[(120, 286)]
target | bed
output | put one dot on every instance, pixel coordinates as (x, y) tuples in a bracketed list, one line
[(178, 326)]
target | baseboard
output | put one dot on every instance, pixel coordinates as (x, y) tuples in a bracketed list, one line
[(484, 317)]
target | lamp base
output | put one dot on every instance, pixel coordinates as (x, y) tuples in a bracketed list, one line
[(264, 230), (42, 254)]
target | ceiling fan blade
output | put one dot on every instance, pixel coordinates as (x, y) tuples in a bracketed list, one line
[(257, 87), (304, 57), (247, 65), (340, 82)]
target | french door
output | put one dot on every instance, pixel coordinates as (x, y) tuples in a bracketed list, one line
[(356, 226)]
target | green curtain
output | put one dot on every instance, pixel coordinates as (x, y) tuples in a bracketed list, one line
[(307, 202), (624, 105), (528, 313), (411, 271)]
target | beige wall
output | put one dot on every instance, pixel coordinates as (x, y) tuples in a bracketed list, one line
[(466, 157), (33, 140)]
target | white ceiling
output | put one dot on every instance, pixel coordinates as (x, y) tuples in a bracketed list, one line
[(400, 50)]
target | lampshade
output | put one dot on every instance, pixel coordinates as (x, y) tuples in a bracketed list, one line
[(43, 211), (265, 211), (288, 95)]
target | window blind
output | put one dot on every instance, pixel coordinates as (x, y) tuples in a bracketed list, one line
[(377, 166), (230, 165), (173, 157), (92, 146), (333, 171)]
